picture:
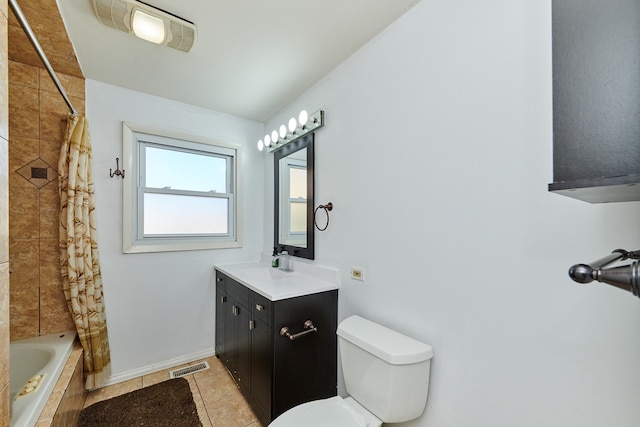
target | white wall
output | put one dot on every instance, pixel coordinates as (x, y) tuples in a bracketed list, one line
[(160, 307), (436, 154)]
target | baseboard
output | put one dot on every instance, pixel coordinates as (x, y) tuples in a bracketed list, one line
[(134, 373)]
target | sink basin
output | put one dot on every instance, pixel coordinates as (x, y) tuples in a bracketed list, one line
[(267, 273)]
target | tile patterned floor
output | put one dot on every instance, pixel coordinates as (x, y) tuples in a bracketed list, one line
[(219, 401)]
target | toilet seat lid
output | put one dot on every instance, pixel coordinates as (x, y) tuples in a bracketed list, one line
[(334, 412)]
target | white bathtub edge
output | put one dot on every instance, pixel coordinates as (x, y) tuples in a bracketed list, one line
[(62, 348)]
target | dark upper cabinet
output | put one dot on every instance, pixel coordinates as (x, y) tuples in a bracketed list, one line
[(596, 100)]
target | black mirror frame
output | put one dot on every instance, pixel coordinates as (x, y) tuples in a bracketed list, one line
[(302, 143)]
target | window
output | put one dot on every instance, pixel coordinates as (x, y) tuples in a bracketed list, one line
[(180, 192)]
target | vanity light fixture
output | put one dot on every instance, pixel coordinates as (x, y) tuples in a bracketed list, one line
[(146, 22), (306, 123)]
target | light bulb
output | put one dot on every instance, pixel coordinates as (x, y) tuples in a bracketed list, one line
[(260, 145), (274, 136), (292, 124), (303, 117), (283, 131), (148, 27), (267, 140)]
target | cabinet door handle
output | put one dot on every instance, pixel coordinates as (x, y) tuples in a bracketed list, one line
[(235, 310), (259, 307), (219, 279), (252, 325), (223, 299)]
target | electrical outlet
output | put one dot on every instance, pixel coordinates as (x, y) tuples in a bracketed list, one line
[(357, 273)]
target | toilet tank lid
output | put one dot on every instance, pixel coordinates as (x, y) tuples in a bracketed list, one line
[(388, 345)]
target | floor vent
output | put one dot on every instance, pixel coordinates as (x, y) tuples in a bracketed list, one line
[(177, 373)]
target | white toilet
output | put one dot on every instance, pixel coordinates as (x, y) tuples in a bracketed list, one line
[(385, 373)]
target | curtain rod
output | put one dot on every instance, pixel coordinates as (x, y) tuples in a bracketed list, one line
[(36, 45)]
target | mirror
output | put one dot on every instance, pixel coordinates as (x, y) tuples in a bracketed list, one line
[(293, 219)]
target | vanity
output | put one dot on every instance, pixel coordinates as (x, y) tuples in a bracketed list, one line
[(276, 335)]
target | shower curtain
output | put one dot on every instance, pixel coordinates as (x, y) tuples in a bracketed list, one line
[(81, 277)]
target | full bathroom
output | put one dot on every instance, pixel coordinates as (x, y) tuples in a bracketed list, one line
[(436, 152)]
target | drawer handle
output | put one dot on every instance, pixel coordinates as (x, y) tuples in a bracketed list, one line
[(308, 328), (259, 307)]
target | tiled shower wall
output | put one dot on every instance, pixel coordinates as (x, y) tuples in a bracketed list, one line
[(4, 219), (37, 122)]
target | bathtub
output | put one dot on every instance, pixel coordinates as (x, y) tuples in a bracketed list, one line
[(35, 363)]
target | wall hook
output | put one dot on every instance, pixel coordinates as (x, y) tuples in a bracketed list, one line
[(327, 208), (118, 171)]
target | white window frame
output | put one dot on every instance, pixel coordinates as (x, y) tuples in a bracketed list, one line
[(134, 137)]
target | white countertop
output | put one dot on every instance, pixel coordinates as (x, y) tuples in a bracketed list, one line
[(275, 284)]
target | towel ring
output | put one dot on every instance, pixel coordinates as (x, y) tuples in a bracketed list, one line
[(327, 208)]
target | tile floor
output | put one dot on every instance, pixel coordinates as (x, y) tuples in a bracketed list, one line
[(219, 401)]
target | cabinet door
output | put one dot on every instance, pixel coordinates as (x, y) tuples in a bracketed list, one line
[(261, 368), (305, 369), (231, 336), (221, 307), (244, 325)]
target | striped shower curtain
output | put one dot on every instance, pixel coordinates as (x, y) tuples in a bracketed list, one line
[(81, 277)]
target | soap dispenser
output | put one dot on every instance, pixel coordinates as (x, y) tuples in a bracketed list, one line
[(275, 260)]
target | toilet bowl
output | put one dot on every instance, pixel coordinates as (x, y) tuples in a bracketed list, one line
[(386, 374), (334, 411)]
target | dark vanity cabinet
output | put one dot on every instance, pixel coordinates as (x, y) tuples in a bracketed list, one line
[(273, 372), (596, 100)]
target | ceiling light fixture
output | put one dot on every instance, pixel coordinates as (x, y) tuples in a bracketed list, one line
[(146, 22), (147, 27), (305, 124)]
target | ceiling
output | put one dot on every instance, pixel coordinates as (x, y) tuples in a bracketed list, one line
[(250, 59)]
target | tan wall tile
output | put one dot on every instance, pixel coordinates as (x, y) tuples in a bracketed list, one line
[(73, 86), (20, 49), (4, 404), (4, 322), (23, 213), (54, 114), (36, 126), (50, 150), (54, 314), (22, 151), (24, 75), (24, 119), (45, 20), (49, 212), (4, 223), (23, 313), (4, 201), (53, 124), (23, 257), (50, 263), (4, 83)]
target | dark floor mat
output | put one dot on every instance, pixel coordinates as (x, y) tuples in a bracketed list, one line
[(167, 404)]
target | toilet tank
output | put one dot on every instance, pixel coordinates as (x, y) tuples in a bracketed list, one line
[(385, 371)]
